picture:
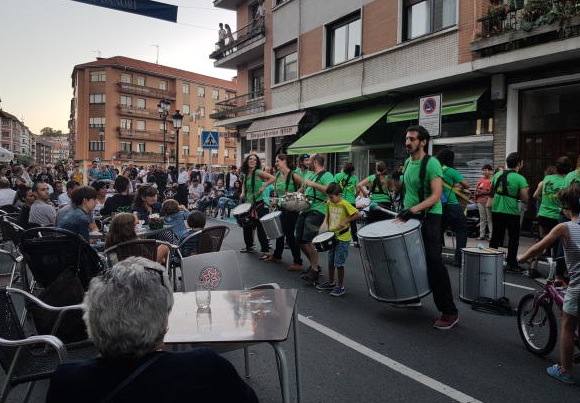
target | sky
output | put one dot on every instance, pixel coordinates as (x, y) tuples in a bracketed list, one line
[(42, 41)]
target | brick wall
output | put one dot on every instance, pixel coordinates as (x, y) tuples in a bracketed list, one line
[(380, 26)]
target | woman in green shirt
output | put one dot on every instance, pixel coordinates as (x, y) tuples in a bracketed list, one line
[(382, 189), (254, 182)]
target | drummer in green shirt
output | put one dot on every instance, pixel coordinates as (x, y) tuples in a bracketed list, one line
[(348, 182), (381, 190), (309, 221)]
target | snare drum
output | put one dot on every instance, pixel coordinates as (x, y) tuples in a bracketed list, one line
[(272, 225), (294, 201), (243, 215), (393, 258), (325, 241), (481, 274)]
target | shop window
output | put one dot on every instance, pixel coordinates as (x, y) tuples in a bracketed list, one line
[(343, 40), (286, 63), (422, 17)]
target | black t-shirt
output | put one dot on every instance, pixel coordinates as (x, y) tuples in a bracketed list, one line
[(197, 375), (113, 203)]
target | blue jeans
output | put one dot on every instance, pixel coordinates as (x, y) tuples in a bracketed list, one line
[(454, 218), (337, 255)]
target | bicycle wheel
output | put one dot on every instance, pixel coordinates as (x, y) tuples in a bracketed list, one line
[(538, 330)]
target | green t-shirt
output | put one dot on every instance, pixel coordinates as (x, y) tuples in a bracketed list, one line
[(451, 177), (253, 194), (317, 197), (285, 184), (573, 176), (508, 204), (302, 173), (377, 196), (348, 187), (338, 212), (550, 207), (411, 181)]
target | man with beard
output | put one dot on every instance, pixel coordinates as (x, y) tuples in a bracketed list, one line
[(423, 201)]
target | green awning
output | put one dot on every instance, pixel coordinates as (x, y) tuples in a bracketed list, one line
[(336, 134), (460, 101)]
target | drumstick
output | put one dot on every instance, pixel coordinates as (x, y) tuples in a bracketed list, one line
[(376, 207)]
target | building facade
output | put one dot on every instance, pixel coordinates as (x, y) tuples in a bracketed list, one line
[(15, 136), (346, 80), (115, 116)]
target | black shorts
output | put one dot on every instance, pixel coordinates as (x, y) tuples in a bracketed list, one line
[(308, 225)]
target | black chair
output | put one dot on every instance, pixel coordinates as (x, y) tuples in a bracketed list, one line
[(209, 240), (11, 233), (9, 208), (50, 251), (146, 248), (28, 359)]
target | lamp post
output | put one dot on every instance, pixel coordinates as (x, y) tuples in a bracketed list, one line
[(163, 109), (177, 120), (102, 141)]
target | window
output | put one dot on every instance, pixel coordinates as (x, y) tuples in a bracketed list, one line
[(185, 129), (163, 85), (185, 109), (97, 98), (141, 81), (257, 82), (141, 103), (201, 92), (343, 40), (126, 78), (141, 147), (97, 122), (95, 145), (126, 146), (126, 124), (215, 94), (126, 101), (226, 152), (161, 126), (226, 96), (141, 125), (185, 150), (201, 112), (422, 17), (286, 63), (161, 149), (185, 88), (97, 76)]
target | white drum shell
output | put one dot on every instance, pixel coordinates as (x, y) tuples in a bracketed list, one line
[(393, 258), (324, 241), (272, 225), (481, 274)]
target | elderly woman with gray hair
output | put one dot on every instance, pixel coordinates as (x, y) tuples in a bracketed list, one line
[(126, 314)]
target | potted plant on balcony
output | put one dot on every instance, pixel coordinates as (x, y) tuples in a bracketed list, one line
[(498, 11)]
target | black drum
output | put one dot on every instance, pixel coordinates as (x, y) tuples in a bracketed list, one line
[(243, 215)]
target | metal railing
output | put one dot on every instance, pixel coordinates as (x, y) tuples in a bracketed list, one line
[(241, 105), (129, 88), (144, 135), (240, 39)]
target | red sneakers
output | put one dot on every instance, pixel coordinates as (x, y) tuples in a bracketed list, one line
[(446, 322)]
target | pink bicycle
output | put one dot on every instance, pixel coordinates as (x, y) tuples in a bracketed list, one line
[(537, 323)]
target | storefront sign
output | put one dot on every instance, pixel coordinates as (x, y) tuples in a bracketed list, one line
[(430, 114), (277, 132)]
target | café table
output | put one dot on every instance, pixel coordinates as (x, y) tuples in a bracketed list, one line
[(239, 318)]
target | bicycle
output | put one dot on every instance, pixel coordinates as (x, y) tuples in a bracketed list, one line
[(536, 320)]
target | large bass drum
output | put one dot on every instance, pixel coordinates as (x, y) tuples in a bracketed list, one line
[(393, 258), (481, 274), (272, 225)]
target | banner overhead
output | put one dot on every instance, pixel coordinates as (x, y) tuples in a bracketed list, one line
[(148, 8)]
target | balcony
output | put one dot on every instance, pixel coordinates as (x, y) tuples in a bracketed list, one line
[(228, 4), (242, 105), (521, 28), (129, 88), (149, 157), (129, 110), (247, 45), (147, 135)]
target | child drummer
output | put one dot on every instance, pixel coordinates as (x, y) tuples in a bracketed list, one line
[(339, 214)]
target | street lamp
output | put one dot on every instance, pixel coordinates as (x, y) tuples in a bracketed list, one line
[(177, 120), (102, 141), (163, 109)]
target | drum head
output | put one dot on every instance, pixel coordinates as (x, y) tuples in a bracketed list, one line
[(242, 208), (271, 215), (483, 251), (388, 228), (325, 236)]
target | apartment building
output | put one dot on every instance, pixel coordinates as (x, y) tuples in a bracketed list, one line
[(15, 136), (345, 78), (115, 115)]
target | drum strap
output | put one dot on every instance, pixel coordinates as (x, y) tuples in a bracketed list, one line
[(318, 176), (502, 181)]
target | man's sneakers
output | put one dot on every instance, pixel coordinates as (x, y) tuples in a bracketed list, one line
[(338, 291), (555, 371), (326, 286), (446, 322)]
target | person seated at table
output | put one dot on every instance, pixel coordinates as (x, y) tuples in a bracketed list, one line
[(145, 203), (122, 229), (174, 214), (64, 198), (102, 188), (195, 222), (230, 200), (205, 200), (23, 199), (78, 219), (133, 365), (121, 201)]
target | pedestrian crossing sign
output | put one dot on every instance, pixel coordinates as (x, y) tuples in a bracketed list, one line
[(210, 140)]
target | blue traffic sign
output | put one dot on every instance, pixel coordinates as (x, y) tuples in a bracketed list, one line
[(210, 140)]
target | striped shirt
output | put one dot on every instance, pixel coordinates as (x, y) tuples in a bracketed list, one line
[(572, 255)]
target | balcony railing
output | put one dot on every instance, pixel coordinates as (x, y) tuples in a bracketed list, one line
[(140, 157), (240, 39), (145, 135), (139, 112), (241, 105), (521, 28), (129, 88)]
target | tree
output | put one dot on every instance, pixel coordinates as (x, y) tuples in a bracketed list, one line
[(50, 132)]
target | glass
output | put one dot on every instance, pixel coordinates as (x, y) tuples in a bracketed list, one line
[(202, 294)]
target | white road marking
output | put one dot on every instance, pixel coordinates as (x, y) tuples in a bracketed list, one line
[(523, 287), (392, 364)]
